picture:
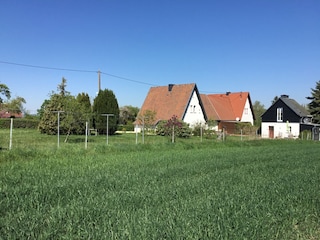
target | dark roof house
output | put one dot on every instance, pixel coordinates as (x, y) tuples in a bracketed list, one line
[(285, 118)]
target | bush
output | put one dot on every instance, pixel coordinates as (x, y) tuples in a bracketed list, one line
[(306, 134), (19, 123), (182, 130)]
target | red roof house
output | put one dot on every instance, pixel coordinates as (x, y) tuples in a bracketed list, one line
[(6, 114), (182, 100), (228, 109)]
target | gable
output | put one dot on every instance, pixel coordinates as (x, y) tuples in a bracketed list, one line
[(195, 114), (292, 111)]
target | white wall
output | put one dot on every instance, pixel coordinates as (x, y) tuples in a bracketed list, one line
[(247, 115), (194, 114), (281, 129)]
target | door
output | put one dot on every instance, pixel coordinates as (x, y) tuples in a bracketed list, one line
[(271, 131)]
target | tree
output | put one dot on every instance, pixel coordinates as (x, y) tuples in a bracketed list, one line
[(62, 88), (72, 116), (314, 105), (258, 110), (42, 109), (173, 128), (105, 103), (49, 117), (15, 105), (83, 100), (274, 99), (4, 90), (128, 114)]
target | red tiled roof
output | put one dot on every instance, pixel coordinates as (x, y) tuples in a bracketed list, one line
[(7, 114), (225, 107), (209, 107), (166, 103)]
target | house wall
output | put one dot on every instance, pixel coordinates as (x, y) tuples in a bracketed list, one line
[(228, 127), (281, 129), (247, 115), (194, 114)]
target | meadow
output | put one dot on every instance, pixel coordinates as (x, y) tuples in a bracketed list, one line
[(192, 189)]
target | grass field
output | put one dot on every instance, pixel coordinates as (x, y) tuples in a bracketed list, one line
[(257, 189)]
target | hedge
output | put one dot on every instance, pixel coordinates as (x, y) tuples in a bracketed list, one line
[(19, 123)]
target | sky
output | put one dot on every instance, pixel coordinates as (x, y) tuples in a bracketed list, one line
[(265, 47)]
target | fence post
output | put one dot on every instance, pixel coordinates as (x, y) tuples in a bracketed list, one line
[(11, 126)]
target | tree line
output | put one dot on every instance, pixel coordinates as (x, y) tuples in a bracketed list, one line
[(75, 111)]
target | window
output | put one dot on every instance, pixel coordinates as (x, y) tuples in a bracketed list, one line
[(279, 114), (246, 111)]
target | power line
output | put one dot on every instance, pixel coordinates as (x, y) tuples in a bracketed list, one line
[(88, 71), (50, 68), (76, 70), (128, 79)]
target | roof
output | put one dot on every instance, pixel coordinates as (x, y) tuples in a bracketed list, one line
[(225, 107), (7, 114), (167, 101), (296, 107)]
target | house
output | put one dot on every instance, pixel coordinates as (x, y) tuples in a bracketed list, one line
[(181, 100), (285, 118), (7, 114), (229, 109)]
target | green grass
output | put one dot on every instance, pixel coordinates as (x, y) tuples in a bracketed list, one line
[(257, 189)]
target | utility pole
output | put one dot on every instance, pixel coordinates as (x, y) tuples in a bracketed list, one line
[(99, 81)]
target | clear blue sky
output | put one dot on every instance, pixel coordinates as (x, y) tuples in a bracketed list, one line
[(266, 47)]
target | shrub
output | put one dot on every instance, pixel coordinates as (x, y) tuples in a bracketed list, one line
[(181, 129), (19, 123), (305, 134)]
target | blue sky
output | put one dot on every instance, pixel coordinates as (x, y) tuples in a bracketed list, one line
[(266, 47)]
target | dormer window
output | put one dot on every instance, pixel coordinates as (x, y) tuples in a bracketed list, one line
[(279, 114)]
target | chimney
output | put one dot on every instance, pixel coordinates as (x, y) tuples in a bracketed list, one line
[(170, 86), (227, 93), (284, 96)]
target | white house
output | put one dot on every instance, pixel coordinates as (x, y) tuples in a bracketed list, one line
[(285, 119), (181, 100)]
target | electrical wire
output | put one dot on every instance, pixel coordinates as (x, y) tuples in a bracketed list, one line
[(75, 70), (87, 71), (50, 68), (128, 79)]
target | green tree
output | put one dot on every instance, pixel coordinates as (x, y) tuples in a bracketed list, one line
[(72, 115), (42, 109), (274, 99), (4, 90), (258, 110), (15, 105), (49, 117), (105, 103), (314, 105), (84, 100), (128, 114)]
